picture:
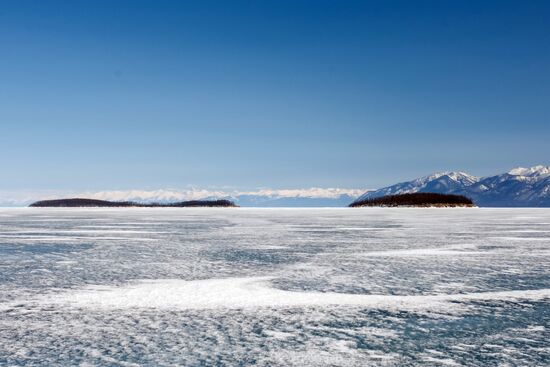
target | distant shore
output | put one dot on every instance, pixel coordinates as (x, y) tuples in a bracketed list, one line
[(93, 203), (417, 200)]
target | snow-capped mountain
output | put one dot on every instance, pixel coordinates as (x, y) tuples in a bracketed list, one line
[(518, 187), (442, 182)]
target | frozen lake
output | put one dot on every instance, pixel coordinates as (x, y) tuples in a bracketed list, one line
[(275, 287)]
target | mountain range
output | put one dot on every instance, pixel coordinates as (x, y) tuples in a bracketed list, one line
[(306, 197), (310, 197), (520, 187)]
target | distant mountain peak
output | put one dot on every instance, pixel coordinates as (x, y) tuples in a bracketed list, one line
[(530, 171), (453, 175), (462, 177)]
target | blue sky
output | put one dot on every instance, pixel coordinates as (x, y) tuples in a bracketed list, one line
[(283, 94)]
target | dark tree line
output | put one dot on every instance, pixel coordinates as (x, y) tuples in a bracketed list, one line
[(80, 202), (416, 199)]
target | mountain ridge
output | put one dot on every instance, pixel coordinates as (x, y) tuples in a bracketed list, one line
[(519, 187)]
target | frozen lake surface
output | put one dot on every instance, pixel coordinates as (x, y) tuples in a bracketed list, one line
[(275, 287)]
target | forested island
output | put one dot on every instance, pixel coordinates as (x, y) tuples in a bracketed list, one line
[(93, 203), (419, 199)]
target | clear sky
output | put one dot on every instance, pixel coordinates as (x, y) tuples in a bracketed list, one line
[(247, 94)]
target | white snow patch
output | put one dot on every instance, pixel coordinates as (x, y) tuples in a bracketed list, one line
[(419, 252), (465, 249), (255, 292)]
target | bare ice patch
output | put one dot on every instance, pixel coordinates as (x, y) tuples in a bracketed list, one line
[(257, 292)]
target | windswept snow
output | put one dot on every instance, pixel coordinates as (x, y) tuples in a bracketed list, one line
[(257, 292)]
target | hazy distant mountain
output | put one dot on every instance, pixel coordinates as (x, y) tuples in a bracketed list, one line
[(518, 187), (292, 201), (307, 197)]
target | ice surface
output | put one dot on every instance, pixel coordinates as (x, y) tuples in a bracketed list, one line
[(268, 287)]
